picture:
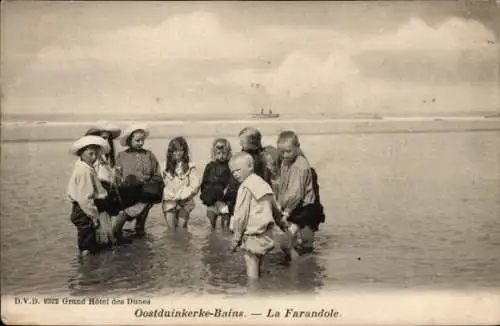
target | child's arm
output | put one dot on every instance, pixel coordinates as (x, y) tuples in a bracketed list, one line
[(83, 194), (194, 182), (241, 215), (278, 215), (155, 165), (194, 185), (204, 178), (231, 192), (168, 192), (299, 177), (118, 169)]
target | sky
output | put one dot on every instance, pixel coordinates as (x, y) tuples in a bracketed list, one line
[(390, 57)]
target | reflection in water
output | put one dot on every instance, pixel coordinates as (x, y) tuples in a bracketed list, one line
[(439, 234), (225, 269), (303, 275), (126, 268)]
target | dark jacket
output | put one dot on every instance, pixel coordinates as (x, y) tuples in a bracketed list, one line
[(216, 178)]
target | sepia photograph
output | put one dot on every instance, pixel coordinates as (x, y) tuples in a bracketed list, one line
[(250, 162)]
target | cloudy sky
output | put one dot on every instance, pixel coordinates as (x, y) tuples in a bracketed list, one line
[(336, 57)]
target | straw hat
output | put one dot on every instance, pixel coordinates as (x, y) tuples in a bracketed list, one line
[(130, 130), (101, 126), (87, 141)]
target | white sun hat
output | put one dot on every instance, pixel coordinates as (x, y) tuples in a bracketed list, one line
[(130, 130), (100, 126), (87, 141)]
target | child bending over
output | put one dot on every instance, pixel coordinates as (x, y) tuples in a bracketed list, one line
[(298, 193)]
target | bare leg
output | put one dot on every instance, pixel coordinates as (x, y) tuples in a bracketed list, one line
[(118, 223), (185, 216), (212, 218), (223, 221), (252, 263), (289, 241), (171, 219), (307, 238), (261, 258), (140, 222), (227, 221)]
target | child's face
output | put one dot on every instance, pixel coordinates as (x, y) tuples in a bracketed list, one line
[(240, 169), (90, 154), (245, 142), (105, 135), (288, 150), (178, 154), (137, 140), (220, 152)]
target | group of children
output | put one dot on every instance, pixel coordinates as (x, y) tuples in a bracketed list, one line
[(250, 192)]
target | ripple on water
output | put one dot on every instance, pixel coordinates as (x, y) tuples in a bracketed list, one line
[(402, 218)]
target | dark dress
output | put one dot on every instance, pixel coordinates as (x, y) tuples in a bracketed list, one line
[(216, 178)]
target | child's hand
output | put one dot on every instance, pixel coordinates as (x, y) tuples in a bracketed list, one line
[(283, 225), (96, 223), (235, 243)]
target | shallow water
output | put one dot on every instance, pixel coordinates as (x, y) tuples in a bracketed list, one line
[(404, 211)]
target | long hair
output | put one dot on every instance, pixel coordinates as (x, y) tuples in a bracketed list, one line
[(272, 157), (178, 143), (226, 148), (111, 155)]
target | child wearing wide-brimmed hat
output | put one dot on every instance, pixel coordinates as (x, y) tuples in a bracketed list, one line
[(86, 192), (106, 163), (139, 168)]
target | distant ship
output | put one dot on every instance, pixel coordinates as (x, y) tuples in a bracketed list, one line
[(260, 101), (263, 115)]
